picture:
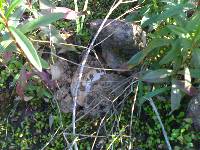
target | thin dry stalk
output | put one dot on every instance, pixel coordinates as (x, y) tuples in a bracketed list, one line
[(52, 137), (132, 109), (96, 68), (161, 124), (102, 120)]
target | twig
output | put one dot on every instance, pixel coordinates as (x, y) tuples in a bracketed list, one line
[(96, 68), (51, 138), (65, 44), (132, 110), (102, 120), (161, 124)]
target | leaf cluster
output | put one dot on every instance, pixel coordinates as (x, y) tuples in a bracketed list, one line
[(173, 51)]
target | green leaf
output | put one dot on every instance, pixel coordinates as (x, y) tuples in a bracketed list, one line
[(155, 43), (13, 5), (177, 63), (132, 17), (46, 4), (57, 38), (171, 54), (196, 38), (27, 48), (51, 120), (186, 87), (41, 21), (157, 76), (55, 34), (44, 63), (194, 23), (1, 48), (177, 30), (14, 19), (6, 43), (160, 33), (1, 21), (152, 94), (195, 61), (169, 57), (156, 92), (136, 59), (176, 96), (173, 10), (1, 4), (186, 43), (181, 20), (149, 20)]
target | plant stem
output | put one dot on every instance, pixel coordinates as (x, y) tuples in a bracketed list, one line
[(161, 124)]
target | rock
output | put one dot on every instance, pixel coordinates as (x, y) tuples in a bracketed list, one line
[(98, 92), (121, 40), (98, 89), (64, 98), (104, 94), (194, 111), (62, 73)]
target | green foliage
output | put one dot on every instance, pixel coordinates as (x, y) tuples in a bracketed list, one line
[(41, 21), (27, 47), (177, 36), (12, 7), (15, 34), (172, 57)]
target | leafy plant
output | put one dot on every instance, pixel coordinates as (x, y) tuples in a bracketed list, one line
[(15, 33), (173, 50)]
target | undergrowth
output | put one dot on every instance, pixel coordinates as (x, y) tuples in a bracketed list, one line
[(37, 123)]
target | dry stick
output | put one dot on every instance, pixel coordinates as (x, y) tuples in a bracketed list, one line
[(85, 57), (65, 44), (132, 110), (84, 10), (95, 68), (95, 136), (126, 12), (161, 124), (51, 138), (102, 120), (120, 133)]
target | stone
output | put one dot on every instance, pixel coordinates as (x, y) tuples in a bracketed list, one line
[(62, 73), (119, 40), (64, 99), (193, 111), (98, 90)]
